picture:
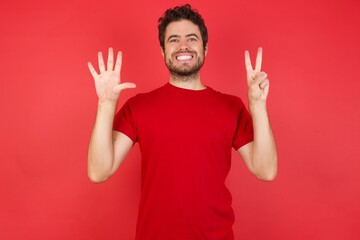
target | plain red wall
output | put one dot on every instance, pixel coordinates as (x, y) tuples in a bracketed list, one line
[(48, 105)]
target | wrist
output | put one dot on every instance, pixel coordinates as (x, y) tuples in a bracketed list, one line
[(107, 106), (255, 106), (107, 103), (259, 114)]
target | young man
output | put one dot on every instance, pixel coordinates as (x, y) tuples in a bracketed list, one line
[(186, 132)]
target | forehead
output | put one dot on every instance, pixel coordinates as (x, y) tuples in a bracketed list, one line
[(182, 28)]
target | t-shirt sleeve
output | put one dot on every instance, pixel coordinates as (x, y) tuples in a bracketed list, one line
[(244, 131), (124, 121)]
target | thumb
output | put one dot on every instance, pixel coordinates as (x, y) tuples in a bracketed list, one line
[(260, 78), (118, 88)]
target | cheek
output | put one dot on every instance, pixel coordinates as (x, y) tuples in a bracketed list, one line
[(171, 48), (167, 56), (168, 53)]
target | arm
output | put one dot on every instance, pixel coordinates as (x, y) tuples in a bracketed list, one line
[(260, 156), (107, 148)]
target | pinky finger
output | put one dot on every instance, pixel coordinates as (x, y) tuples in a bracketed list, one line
[(92, 70)]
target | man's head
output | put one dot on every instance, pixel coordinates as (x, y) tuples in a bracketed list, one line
[(178, 13), (183, 38)]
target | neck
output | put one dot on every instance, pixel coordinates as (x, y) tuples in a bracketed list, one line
[(191, 82)]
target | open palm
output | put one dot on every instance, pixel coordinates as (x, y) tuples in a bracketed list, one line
[(107, 82)]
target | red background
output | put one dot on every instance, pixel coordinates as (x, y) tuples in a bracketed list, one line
[(48, 105)]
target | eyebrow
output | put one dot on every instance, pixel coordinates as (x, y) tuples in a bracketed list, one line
[(189, 35)]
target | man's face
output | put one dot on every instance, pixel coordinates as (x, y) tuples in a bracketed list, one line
[(184, 53)]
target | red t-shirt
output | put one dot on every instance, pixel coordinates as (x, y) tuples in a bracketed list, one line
[(185, 138)]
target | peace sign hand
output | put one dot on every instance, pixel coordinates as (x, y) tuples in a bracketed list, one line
[(258, 83), (107, 82)]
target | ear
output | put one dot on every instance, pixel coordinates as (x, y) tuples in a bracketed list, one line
[(206, 49)]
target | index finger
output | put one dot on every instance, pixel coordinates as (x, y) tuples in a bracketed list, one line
[(248, 65), (258, 60)]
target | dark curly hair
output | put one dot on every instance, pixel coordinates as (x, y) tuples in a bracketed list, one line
[(178, 13)]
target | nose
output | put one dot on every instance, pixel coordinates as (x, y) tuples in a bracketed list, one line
[(184, 45)]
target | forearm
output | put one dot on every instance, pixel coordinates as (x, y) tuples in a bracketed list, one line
[(101, 147), (264, 155)]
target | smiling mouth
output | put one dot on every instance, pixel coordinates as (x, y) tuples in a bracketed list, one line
[(184, 57)]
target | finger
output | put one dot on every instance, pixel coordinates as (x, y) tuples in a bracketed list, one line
[(92, 70), (258, 60), (110, 63), (260, 77), (118, 62), (264, 84), (123, 86), (101, 62), (248, 65)]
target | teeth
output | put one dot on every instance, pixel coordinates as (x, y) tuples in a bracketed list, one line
[(182, 58)]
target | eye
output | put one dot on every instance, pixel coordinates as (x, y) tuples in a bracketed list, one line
[(173, 40), (192, 39)]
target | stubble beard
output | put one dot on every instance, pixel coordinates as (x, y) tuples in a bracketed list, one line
[(185, 72)]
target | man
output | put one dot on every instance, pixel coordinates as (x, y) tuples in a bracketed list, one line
[(186, 131)]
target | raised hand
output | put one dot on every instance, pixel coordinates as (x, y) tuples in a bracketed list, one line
[(107, 82), (258, 83)]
